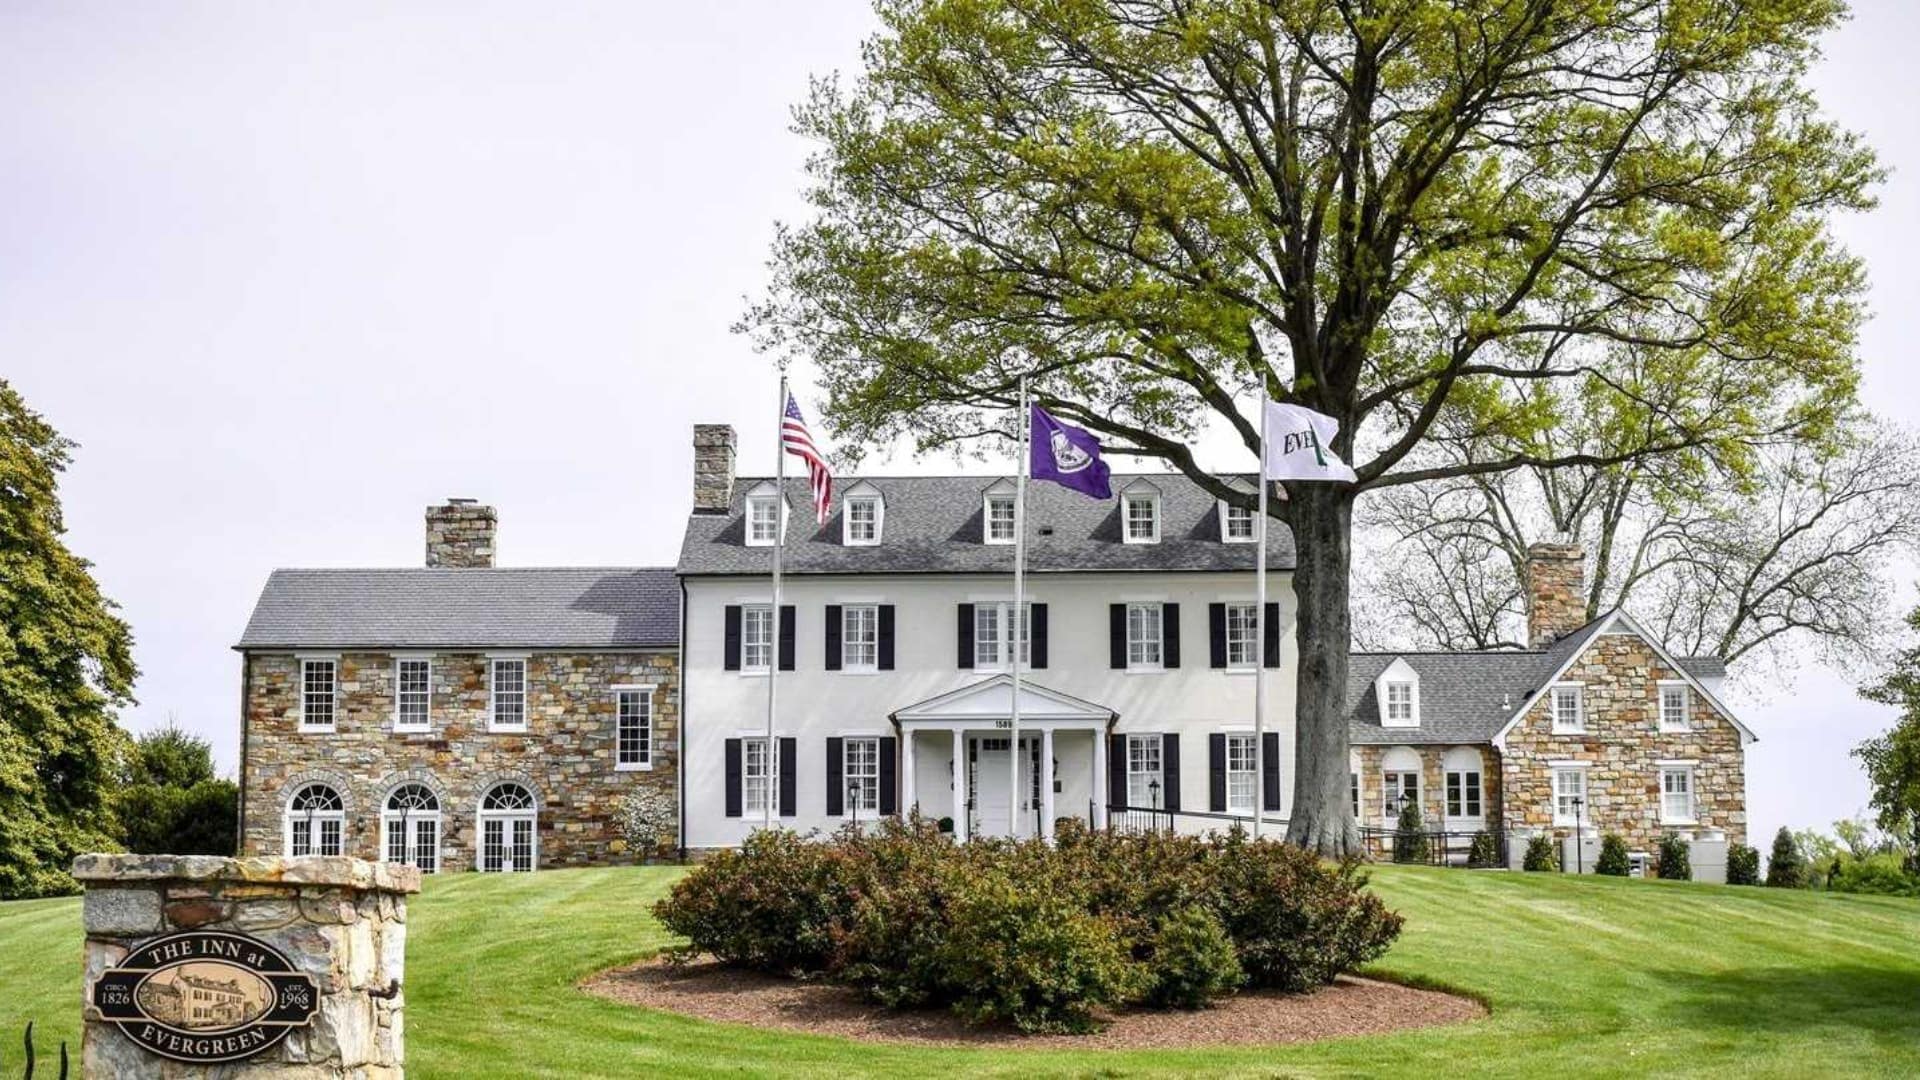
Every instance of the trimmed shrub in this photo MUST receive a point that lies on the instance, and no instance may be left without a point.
(1193, 960)
(1296, 920)
(1676, 860)
(1613, 860)
(1743, 865)
(1786, 869)
(1542, 854)
(1484, 852)
(1410, 837)
(778, 904)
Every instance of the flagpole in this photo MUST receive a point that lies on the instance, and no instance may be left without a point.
(1260, 631)
(1019, 619)
(773, 642)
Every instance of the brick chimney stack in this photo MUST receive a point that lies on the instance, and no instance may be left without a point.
(712, 468)
(460, 534)
(1556, 592)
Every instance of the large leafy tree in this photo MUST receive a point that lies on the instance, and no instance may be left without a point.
(173, 803)
(1892, 760)
(65, 663)
(1495, 215)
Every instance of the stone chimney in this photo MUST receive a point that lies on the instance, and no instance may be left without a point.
(712, 468)
(460, 534)
(1556, 592)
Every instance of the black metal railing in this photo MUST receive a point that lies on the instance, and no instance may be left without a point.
(1142, 819)
(1437, 847)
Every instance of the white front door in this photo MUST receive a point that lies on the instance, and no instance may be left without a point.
(989, 784)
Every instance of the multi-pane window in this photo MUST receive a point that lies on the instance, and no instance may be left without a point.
(756, 638)
(1000, 524)
(861, 770)
(1243, 650)
(316, 818)
(410, 825)
(1143, 771)
(1143, 519)
(1463, 793)
(508, 818)
(633, 727)
(758, 776)
(1143, 635)
(316, 694)
(1676, 794)
(863, 520)
(1400, 703)
(992, 637)
(1673, 707)
(1569, 795)
(1569, 715)
(509, 694)
(763, 519)
(1239, 523)
(860, 637)
(1243, 784)
(1399, 789)
(1353, 793)
(413, 692)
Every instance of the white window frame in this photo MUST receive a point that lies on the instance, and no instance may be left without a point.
(1145, 764)
(1396, 715)
(749, 615)
(1469, 795)
(1393, 785)
(332, 664)
(769, 793)
(847, 532)
(987, 505)
(1243, 782)
(759, 509)
(1577, 693)
(1250, 643)
(1353, 792)
(1683, 769)
(1685, 693)
(622, 694)
(865, 637)
(1127, 502)
(1561, 792)
(994, 652)
(860, 789)
(314, 822)
(1146, 636)
(411, 821)
(496, 698)
(400, 721)
(507, 819)
(1229, 515)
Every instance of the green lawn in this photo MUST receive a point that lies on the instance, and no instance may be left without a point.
(1584, 976)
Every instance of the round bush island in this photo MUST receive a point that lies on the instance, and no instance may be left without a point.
(1042, 938)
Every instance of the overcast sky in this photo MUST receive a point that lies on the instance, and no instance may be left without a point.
(288, 273)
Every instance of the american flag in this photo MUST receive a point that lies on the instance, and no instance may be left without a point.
(796, 440)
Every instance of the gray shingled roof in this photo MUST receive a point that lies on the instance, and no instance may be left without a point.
(933, 524)
(530, 608)
(1466, 697)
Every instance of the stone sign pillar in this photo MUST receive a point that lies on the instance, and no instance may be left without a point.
(199, 965)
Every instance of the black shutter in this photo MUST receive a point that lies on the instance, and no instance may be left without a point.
(889, 773)
(786, 637)
(1170, 635)
(733, 637)
(1037, 658)
(836, 784)
(833, 639)
(1217, 635)
(1270, 767)
(789, 750)
(1217, 773)
(1272, 658)
(1116, 770)
(1170, 771)
(886, 637)
(733, 772)
(1117, 636)
(966, 635)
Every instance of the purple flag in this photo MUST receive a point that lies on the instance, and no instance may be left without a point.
(1068, 456)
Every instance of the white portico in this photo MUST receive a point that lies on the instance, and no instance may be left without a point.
(955, 750)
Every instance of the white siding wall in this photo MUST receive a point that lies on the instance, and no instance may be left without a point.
(1194, 700)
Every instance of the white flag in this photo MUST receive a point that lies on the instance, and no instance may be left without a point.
(1298, 442)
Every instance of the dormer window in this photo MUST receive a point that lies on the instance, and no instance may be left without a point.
(998, 514)
(1398, 689)
(763, 516)
(861, 522)
(1399, 703)
(1236, 524)
(1140, 514)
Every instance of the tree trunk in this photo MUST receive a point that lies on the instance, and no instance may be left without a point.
(1322, 818)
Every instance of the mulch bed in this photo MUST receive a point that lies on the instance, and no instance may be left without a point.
(711, 991)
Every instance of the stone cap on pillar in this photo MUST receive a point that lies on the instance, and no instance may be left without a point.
(321, 870)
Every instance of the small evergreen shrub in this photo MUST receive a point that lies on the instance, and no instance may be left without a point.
(1786, 868)
(1484, 852)
(1743, 865)
(1676, 860)
(1296, 920)
(1542, 854)
(776, 905)
(1410, 837)
(1613, 860)
(1193, 960)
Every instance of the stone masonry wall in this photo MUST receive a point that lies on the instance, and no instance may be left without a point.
(1433, 789)
(565, 757)
(342, 921)
(1622, 745)
(1556, 592)
(461, 533)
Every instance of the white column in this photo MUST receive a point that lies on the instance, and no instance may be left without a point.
(1101, 796)
(1046, 782)
(907, 801)
(959, 785)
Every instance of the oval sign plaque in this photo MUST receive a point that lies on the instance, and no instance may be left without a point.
(206, 996)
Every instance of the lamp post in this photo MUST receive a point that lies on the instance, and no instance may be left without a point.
(1153, 796)
(1579, 836)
